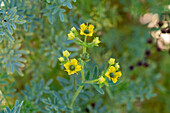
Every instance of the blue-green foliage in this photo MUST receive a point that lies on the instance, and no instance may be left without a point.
(7, 89)
(33, 47)
(15, 109)
(54, 9)
(33, 94)
(11, 57)
(9, 18)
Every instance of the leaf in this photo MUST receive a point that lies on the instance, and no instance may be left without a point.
(55, 10)
(13, 25)
(98, 89)
(10, 95)
(3, 82)
(1, 39)
(2, 33)
(45, 101)
(9, 35)
(7, 109)
(88, 75)
(69, 5)
(49, 82)
(95, 72)
(56, 94)
(51, 6)
(50, 18)
(9, 29)
(63, 80)
(61, 16)
(62, 1)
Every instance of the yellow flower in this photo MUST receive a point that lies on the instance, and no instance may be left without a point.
(71, 36)
(61, 59)
(101, 79)
(66, 53)
(112, 61)
(96, 41)
(73, 29)
(113, 74)
(117, 66)
(72, 66)
(2, 4)
(118, 74)
(86, 30)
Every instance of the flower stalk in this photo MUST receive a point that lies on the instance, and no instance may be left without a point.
(82, 74)
(73, 66)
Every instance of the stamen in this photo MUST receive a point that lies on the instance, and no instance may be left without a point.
(112, 75)
(86, 31)
(72, 67)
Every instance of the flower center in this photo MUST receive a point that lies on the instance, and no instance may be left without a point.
(72, 67)
(86, 31)
(112, 75)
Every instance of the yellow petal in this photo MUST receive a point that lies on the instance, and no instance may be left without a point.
(91, 27)
(78, 68)
(83, 26)
(107, 74)
(74, 62)
(118, 74)
(67, 65)
(114, 80)
(112, 69)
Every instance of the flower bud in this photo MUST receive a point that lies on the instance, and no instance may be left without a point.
(112, 61)
(73, 29)
(117, 66)
(61, 59)
(84, 56)
(96, 41)
(71, 36)
(66, 53)
(101, 79)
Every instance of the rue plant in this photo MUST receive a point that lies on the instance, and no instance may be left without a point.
(74, 66)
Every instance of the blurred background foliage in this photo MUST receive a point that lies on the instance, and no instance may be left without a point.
(33, 34)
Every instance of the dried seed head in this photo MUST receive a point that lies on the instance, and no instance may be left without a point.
(160, 23)
(147, 52)
(149, 41)
(164, 30)
(146, 64)
(139, 63)
(131, 67)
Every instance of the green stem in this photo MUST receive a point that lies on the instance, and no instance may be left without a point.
(91, 81)
(84, 46)
(75, 96)
(67, 59)
(79, 39)
(84, 51)
(82, 74)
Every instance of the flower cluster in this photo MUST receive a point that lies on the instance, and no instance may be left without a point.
(87, 30)
(112, 73)
(72, 66)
